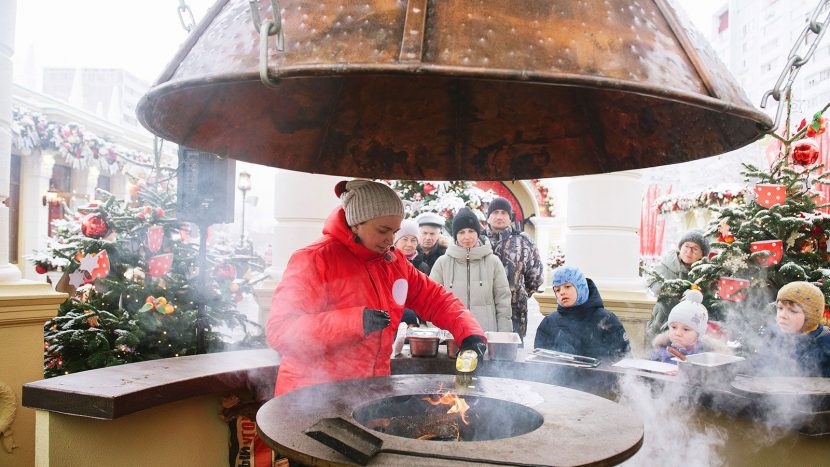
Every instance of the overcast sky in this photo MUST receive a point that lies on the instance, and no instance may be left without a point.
(139, 36)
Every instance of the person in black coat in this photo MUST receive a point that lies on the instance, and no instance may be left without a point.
(429, 239)
(581, 325)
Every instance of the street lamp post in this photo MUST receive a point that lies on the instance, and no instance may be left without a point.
(243, 184)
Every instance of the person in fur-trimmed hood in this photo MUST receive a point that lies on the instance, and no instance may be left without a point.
(475, 275)
(687, 331)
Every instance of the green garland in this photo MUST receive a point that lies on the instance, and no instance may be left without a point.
(79, 147)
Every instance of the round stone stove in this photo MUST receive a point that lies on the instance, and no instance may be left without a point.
(508, 422)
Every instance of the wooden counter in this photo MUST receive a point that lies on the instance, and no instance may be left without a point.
(109, 393)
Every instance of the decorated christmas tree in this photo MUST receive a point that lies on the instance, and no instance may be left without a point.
(444, 198)
(131, 270)
(776, 236)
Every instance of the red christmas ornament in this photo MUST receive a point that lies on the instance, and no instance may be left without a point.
(730, 288)
(774, 247)
(93, 226)
(805, 151)
(238, 297)
(726, 238)
(40, 269)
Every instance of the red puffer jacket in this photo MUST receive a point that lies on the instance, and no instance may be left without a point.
(316, 320)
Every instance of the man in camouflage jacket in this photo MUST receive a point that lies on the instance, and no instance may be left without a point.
(520, 257)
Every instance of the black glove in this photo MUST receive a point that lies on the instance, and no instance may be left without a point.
(374, 320)
(410, 318)
(475, 343)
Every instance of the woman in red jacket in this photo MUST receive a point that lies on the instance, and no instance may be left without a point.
(335, 314)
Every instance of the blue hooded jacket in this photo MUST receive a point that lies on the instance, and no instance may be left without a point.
(587, 329)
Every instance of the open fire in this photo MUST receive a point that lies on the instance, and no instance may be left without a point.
(457, 405)
(444, 416)
(429, 424)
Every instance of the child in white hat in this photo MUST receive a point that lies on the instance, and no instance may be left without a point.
(687, 331)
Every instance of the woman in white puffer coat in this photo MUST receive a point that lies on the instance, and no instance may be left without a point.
(471, 271)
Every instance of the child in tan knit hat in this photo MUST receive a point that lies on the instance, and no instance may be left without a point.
(800, 343)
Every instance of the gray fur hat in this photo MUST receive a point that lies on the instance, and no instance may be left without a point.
(695, 236)
(431, 219)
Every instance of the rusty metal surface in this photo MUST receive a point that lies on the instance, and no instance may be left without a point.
(469, 89)
(578, 429)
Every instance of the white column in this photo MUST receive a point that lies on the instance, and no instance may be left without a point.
(8, 272)
(92, 182)
(118, 186)
(603, 219)
(302, 202)
(83, 186)
(36, 171)
(545, 240)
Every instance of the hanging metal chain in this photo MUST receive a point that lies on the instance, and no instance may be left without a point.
(186, 16)
(797, 59)
(266, 29)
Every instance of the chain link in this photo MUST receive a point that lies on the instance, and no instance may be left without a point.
(796, 59)
(266, 29)
(186, 16)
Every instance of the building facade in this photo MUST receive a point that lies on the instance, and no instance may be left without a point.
(754, 39)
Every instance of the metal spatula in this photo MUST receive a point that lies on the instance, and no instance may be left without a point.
(361, 446)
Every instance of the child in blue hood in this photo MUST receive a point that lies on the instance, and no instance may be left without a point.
(581, 325)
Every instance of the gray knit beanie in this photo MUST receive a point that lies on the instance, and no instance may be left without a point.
(695, 236)
(364, 200)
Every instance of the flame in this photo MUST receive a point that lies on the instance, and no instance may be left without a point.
(457, 405)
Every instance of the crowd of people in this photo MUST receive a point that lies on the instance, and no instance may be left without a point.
(372, 270)
(795, 344)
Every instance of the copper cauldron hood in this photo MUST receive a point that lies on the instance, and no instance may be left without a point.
(461, 89)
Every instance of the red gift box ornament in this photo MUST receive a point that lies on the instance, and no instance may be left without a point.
(775, 248)
(770, 195)
(160, 265)
(155, 238)
(102, 267)
(732, 288)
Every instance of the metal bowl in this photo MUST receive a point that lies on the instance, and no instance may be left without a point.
(423, 346)
(503, 345)
(710, 368)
